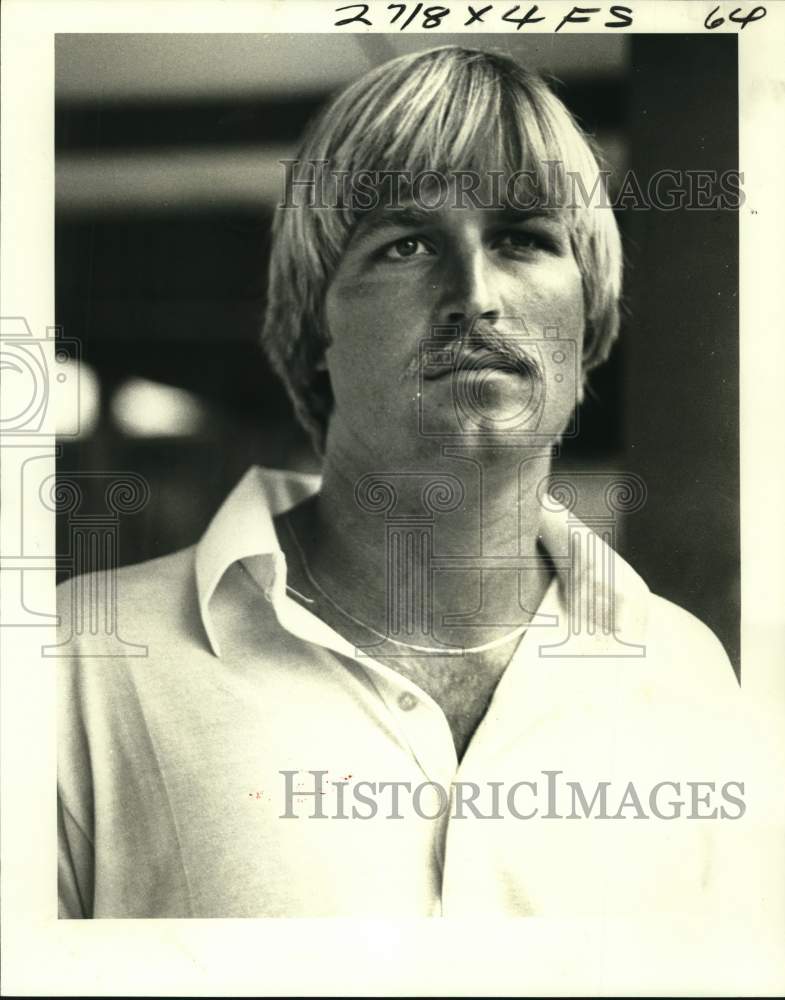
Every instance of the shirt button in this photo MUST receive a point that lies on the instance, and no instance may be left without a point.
(407, 701)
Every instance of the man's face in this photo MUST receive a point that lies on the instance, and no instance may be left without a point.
(499, 287)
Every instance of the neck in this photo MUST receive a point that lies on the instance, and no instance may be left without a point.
(371, 539)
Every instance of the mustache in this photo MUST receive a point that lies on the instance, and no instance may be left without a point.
(504, 347)
(485, 347)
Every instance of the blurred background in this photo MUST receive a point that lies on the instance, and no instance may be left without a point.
(167, 150)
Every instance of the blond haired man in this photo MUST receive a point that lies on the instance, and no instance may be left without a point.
(409, 686)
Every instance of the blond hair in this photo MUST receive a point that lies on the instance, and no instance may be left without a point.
(447, 109)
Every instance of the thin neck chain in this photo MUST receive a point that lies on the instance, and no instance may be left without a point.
(369, 628)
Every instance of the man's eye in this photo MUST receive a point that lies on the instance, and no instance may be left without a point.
(521, 240)
(409, 246)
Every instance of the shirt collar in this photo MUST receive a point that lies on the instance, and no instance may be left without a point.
(243, 528)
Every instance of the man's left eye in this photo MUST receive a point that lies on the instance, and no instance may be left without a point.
(403, 249)
(518, 240)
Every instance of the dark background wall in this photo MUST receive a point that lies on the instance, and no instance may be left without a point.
(681, 366)
(167, 175)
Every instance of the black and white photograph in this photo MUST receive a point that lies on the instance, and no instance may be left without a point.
(384, 525)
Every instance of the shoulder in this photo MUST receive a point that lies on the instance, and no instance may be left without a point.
(153, 597)
(159, 578)
(124, 640)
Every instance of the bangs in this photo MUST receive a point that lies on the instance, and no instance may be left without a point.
(439, 119)
(446, 112)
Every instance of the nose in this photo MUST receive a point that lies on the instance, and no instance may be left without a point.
(470, 289)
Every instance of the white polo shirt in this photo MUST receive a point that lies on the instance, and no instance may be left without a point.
(253, 763)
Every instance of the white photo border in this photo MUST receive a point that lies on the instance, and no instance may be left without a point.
(44, 956)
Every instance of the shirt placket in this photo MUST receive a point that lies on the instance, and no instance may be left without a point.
(502, 731)
(418, 721)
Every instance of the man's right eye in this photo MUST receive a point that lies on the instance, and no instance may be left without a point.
(405, 248)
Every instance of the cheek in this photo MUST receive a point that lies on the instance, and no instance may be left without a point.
(357, 332)
(555, 316)
(370, 316)
(558, 292)
(556, 299)
(362, 352)
(348, 318)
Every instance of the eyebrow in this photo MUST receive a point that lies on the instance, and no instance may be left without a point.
(410, 216)
(509, 214)
(407, 216)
